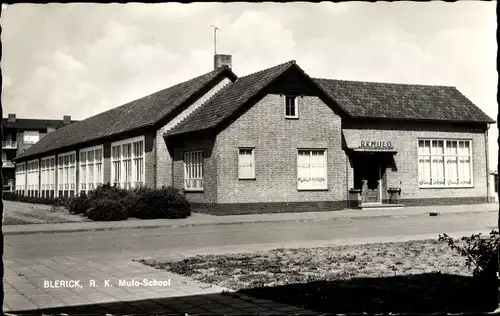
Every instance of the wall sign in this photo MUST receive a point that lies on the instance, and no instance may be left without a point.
(374, 144)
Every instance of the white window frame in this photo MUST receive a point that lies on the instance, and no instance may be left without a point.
(193, 170)
(445, 155)
(252, 175)
(310, 187)
(137, 179)
(84, 183)
(48, 175)
(33, 180)
(27, 134)
(66, 173)
(296, 104)
(21, 177)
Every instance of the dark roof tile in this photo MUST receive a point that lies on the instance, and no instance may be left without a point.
(402, 101)
(229, 100)
(133, 115)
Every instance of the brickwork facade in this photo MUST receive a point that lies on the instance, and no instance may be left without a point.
(163, 156)
(404, 174)
(276, 141)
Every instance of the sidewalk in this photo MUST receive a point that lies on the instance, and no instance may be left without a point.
(197, 219)
(100, 292)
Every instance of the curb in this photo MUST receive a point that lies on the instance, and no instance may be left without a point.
(85, 229)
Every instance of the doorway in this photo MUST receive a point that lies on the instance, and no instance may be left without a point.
(369, 168)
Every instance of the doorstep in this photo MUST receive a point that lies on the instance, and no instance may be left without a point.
(380, 206)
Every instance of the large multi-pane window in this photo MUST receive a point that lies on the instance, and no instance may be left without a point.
(48, 176)
(127, 163)
(444, 163)
(21, 178)
(193, 170)
(66, 169)
(90, 175)
(33, 178)
(311, 170)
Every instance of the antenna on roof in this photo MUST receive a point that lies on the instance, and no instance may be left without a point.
(215, 38)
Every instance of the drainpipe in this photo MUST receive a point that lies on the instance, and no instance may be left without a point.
(487, 165)
(347, 180)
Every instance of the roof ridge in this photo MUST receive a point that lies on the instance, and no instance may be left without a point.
(290, 62)
(382, 82)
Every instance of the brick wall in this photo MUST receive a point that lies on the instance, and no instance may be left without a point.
(209, 194)
(106, 163)
(163, 156)
(276, 141)
(150, 160)
(21, 145)
(404, 138)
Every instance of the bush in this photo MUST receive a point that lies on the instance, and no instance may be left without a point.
(106, 210)
(79, 204)
(166, 202)
(481, 255)
(107, 191)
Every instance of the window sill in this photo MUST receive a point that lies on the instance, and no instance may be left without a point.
(447, 187)
(247, 178)
(291, 117)
(321, 189)
(193, 190)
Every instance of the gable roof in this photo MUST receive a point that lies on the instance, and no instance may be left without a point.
(402, 101)
(32, 124)
(140, 113)
(356, 99)
(230, 99)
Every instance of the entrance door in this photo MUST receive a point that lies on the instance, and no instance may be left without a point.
(367, 177)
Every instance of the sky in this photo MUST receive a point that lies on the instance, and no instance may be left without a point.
(83, 59)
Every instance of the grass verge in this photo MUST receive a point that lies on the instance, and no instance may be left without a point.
(416, 276)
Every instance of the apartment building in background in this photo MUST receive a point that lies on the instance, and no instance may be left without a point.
(18, 134)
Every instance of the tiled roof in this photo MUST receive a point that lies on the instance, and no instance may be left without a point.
(402, 101)
(140, 113)
(229, 100)
(32, 124)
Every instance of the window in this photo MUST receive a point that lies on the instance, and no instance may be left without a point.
(32, 178)
(444, 163)
(193, 170)
(138, 163)
(311, 170)
(90, 168)
(246, 163)
(291, 107)
(48, 175)
(31, 137)
(21, 178)
(127, 163)
(67, 173)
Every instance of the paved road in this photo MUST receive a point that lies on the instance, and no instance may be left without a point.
(146, 242)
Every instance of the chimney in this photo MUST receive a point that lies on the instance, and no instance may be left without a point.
(221, 60)
(12, 118)
(66, 119)
(50, 129)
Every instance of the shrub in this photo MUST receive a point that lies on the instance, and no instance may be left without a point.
(107, 191)
(106, 210)
(166, 202)
(79, 204)
(481, 255)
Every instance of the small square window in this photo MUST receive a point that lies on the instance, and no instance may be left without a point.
(291, 107)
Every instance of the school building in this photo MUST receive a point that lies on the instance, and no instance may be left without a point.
(276, 140)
